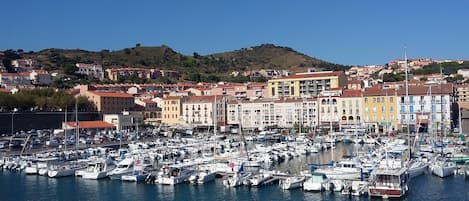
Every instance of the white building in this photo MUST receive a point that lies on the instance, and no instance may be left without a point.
(90, 70)
(281, 113)
(426, 107)
(201, 110)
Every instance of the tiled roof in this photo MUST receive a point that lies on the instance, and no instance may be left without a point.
(351, 93)
(90, 124)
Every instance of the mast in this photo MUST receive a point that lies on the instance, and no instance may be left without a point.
(407, 97)
(215, 119)
(459, 119)
(65, 129)
(443, 125)
(77, 132)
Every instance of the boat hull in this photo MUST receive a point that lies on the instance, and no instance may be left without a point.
(385, 192)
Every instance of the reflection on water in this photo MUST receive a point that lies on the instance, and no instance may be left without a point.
(16, 186)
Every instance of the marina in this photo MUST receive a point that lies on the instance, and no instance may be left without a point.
(301, 167)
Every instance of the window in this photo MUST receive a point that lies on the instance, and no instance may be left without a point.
(366, 100)
(382, 108)
(391, 99)
(391, 108)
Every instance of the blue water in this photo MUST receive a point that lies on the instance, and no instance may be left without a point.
(17, 186)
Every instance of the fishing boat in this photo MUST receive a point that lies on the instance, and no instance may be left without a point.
(389, 182)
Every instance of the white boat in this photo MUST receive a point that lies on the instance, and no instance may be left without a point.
(292, 183)
(416, 168)
(174, 174)
(63, 170)
(442, 167)
(202, 177)
(343, 170)
(139, 172)
(258, 179)
(317, 182)
(236, 179)
(388, 182)
(124, 167)
(98, 169)
(356, 188)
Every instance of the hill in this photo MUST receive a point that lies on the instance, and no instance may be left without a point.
(266, 56)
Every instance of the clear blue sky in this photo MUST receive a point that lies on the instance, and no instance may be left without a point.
(346, 32)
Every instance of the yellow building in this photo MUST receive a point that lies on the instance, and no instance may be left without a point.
(306, 84)
(171, 110)
(379, 109)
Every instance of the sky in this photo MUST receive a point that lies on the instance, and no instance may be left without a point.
(347, 32)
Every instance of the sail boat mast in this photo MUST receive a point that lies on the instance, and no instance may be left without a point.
(407, 97)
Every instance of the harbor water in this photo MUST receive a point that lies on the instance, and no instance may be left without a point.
(16, 186)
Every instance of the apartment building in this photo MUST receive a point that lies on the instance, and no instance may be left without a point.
(171, 110)
(204, 111)
(111, 102)
(379, 109)
(306, 84)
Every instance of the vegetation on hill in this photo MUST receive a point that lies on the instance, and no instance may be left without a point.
(195, 67)
(447, 68)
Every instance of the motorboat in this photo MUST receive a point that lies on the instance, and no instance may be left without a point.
(37, 164)
(62, 170)
(317, 182)
(258, 179)
(174, 174)
(292, 182)
(98, 169)
(124, 167)
(237, 179)
(347, 169)
(202, 177)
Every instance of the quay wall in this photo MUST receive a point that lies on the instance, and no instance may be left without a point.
(24, 121)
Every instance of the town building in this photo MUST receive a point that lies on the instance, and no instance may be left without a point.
(379, 109)
(171, 110)
(204, 111)
(16, 80)
(350, 106)
(306, 84)
(111, 102)
(93, 70)
(298, 113)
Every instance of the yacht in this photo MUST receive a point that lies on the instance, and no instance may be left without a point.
(174, 174)
(442, 167)
(98, 169)
(388, 182)
(124, 167)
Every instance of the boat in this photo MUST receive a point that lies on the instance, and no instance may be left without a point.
(416, 168)
(356, 188)
(348, 169)
(139, 173)
(292, 182)
(124, 167)
(258, 179)
(62, 170)
(388, 182)
(442, 167)
(202, 177)
(37, 164)
(174, 174)
(98, 169)
(237, 179)
(317, 182)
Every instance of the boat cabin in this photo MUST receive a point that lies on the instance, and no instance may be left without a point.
(389, 183)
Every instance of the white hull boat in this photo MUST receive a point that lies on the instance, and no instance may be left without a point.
(292, 183)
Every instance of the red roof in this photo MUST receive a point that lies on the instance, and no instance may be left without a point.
(4, 90)
(351, 93)
(91, 124)
(311, 75)
(112, 94)
(148, 101)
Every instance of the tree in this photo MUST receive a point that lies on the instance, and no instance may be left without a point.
(390, 77)
(70, 69)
